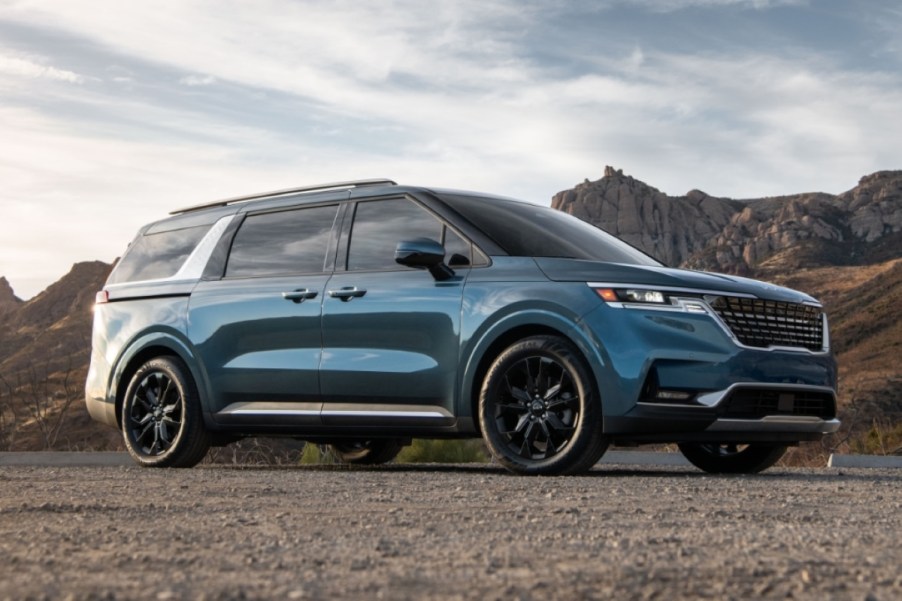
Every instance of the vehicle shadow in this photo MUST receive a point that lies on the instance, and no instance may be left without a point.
(602, 471)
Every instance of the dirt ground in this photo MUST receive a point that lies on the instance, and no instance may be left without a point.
(448, 532)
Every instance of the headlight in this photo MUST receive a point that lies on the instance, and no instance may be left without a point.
(644, 296)
(632, 295)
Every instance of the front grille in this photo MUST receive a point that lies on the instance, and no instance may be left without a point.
(764, 323)
(751, 403)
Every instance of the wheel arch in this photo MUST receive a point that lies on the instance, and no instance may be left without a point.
(501, 335)
(140, 352)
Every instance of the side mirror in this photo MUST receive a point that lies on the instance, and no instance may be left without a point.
(423, 253)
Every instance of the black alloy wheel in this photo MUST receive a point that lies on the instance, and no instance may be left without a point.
(367, 452)
(539, 411)
(162, 423)
(731, 457)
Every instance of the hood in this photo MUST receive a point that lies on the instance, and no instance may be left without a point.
(574, 270)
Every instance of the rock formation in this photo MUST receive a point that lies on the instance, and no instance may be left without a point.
(745, 236)
(668, 228)
(8, 300)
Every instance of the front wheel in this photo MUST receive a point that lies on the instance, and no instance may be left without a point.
(367, 452)
(162, 421)
(731, 458)
(539, 410)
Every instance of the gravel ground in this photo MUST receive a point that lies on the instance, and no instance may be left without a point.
(448, 532)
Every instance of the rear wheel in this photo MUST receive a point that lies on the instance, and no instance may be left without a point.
(731, 458)
(367, 452)
(539, 410)
(162, 421)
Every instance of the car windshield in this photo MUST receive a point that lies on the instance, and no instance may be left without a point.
(527, 230)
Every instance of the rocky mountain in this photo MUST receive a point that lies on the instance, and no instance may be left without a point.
(861, 226)
(45, 345)
(670, 228)
(8, 300)
(53, 329)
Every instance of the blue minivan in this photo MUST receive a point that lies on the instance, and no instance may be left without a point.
(364, 314)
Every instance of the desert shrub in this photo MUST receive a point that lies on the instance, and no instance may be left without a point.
(882, 438)
(420, 451)
(318, 454)
(256, 451)
(444, 451)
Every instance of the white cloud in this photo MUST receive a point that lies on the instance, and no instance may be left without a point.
(197, 80)
(26, 67)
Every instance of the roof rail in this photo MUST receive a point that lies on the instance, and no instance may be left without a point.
(358, 183)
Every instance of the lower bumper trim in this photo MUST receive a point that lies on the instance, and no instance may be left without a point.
(776, 423)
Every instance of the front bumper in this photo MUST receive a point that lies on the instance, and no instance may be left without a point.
(716, 417)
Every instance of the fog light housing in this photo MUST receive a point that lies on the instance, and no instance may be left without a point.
(673, 395)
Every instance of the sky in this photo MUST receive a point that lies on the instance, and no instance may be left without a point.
(114, 113)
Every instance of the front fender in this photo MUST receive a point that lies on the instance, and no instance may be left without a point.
(481, 346)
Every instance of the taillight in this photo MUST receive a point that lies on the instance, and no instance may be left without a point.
(102, 297)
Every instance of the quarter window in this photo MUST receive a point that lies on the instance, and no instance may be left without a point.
(457, 250)
(157, 256)
(282, 243)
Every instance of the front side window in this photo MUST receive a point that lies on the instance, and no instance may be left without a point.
(157, 256)
(282, 243)
(378, 227)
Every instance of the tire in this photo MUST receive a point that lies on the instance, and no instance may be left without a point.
(367, 452)
(539, 410)
(731, 458)
(162, 421)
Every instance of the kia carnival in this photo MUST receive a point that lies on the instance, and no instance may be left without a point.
(364, 314)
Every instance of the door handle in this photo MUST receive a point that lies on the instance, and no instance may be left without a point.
(299, 295)
(347, 293)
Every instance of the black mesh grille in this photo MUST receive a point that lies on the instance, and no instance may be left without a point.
(753, 403)
(764, 323)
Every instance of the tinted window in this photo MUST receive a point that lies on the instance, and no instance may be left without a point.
(282, 243)
(157, 256)
(379, 226)
(457, 250)
(527, 230)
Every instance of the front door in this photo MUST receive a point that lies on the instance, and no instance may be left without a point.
(391, 334)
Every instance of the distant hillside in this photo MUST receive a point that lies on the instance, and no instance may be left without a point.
(55, 326)
(45, 346)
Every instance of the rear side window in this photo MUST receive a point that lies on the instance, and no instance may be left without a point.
(157, 256)
(282, 243)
